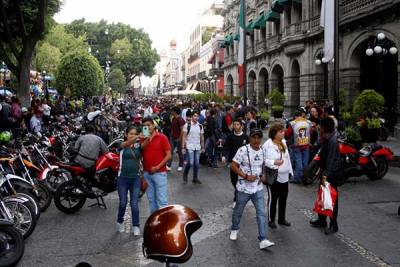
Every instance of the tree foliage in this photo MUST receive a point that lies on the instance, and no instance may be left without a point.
(117, 80)
(22, 25)
(368, 103)
(104, 38)
(47, 58)
(80, 74)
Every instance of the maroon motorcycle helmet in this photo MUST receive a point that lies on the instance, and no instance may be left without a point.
(167, 232)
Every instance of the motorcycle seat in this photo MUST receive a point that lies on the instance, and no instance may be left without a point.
(367, 150)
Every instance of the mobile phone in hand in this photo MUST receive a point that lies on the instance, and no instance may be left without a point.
(146, 132)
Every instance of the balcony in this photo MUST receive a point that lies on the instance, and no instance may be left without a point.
(274, 40)
(356, 9)
(293, 29)
(261, 46)
(351, 6)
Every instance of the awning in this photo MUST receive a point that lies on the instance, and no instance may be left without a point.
(236, 37)
(297, 1)
(228, 39)
(273, 16)
(250, 27)
(260, 22)
(279, 5)
(189, 85)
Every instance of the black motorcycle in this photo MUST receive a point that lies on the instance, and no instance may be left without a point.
(11, 244)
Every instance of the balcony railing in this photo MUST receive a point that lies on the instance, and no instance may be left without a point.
(261, 46)
(352, 6)
(293, 29)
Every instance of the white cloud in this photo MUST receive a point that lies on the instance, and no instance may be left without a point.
(161, 19)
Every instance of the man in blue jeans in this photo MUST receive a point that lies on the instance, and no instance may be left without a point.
(248, 164)
(299, 132)
(193, 144)
(156, 154)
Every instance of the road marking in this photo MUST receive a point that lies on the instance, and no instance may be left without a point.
(365, 253)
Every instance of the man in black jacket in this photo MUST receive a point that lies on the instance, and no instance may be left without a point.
(330, 164)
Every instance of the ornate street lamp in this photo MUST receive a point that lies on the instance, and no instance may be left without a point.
(380, 47)
(320, 59)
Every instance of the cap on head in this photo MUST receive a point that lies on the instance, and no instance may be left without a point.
(256, 132)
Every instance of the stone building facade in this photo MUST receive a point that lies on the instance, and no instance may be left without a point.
(284, 39)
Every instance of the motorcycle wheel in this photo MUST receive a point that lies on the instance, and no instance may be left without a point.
(21, 217)
(67, 199)
(11, 245)
(44, 196)
(31, 204)
(311, 173)
(382, 167)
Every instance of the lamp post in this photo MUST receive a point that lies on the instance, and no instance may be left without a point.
(320, 59)
(3, 70)
(45, 85)
(380, 46)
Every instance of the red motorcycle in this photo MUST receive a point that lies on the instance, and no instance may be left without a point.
(372, 161)
(95, 183)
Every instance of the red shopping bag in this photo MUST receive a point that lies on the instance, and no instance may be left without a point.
(319, 203)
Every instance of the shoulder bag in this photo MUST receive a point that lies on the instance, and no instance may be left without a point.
(270, 175)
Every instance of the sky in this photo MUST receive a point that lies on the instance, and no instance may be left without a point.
(163, 20)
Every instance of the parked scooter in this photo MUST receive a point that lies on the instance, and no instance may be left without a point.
(372, 161)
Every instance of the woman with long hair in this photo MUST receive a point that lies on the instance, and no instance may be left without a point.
(277, 157)
(129, 179)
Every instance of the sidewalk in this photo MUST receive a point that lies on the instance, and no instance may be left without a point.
(394, 144)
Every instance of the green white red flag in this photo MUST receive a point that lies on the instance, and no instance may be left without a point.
(242, 43)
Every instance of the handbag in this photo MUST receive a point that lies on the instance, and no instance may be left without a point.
(326, 199)
(270, 175)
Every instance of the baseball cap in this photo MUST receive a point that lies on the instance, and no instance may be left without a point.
(255, 132)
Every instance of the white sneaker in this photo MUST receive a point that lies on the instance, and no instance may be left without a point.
(120, 227)
(136, 230)
(234, 234)
(266, 243)
(168, 169)
(180, 169)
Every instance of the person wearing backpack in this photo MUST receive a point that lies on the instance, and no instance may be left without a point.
(192, 146)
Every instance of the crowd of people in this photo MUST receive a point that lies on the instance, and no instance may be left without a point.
(212, 134)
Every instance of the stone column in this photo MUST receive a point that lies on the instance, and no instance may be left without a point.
(292, 92)
(350, 81)
(397, 126)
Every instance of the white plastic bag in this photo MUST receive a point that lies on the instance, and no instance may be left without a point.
(326, 197)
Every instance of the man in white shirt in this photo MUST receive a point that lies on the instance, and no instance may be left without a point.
(148, 112)
(192, 145)
(248, 164)
(36, 122)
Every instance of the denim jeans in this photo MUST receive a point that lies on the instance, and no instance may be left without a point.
(132, 185)
(193, 158)
(176, 143)
(157, 191)
(301, 157)
(210, 150)
(258, 202)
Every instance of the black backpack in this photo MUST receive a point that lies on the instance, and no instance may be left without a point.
(190, 125)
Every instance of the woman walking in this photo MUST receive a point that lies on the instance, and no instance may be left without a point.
(277, 157)
(129, 179)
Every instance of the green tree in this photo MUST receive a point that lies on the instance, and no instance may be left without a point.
(104, 39)
(368, 103)
(117, 80)
(47, 58)
(80, 74)
(64, 41)
(22, 25)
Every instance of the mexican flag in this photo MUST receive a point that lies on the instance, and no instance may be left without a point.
(242, 43)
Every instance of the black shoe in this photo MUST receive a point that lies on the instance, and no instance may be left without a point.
(197, 181)
(272, 225)
(284, 223)
(294, 182)
(318, 223)
(331, 230)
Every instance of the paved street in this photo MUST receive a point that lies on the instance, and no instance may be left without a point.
(368, 235)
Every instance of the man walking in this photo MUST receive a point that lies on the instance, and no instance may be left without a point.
(156, 154)
(332, 172)
(193, 144)
(176, 136)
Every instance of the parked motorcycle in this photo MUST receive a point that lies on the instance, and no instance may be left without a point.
(372, 161)
(71, 195)
(11, 244)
